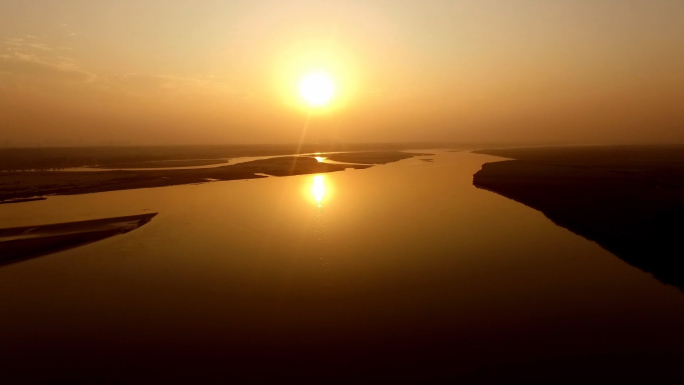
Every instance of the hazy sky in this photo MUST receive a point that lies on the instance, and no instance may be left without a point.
(219, 71)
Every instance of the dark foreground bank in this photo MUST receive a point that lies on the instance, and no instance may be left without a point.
(630, 200)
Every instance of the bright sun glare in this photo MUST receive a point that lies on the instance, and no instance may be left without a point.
(317, 89)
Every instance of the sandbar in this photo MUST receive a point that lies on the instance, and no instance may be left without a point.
(18, 185)
(19, 159)
(372, 157)
(163, 164)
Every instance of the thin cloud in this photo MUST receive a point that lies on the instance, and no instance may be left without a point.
(14, 41)
(29, 65)
(40, 46)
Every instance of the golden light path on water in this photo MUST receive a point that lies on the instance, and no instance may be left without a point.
(318, 188)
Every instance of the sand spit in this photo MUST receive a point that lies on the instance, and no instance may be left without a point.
(20, 200)
(22, 243)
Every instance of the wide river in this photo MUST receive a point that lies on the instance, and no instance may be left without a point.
(403, 271)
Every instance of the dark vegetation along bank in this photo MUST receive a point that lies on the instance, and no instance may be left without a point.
(630, 200)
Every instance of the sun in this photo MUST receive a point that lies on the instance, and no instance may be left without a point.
(317, 89)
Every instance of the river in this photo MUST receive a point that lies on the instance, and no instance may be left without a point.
(403, 271)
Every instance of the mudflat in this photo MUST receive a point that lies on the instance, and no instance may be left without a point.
(21, 243)
(629, 199)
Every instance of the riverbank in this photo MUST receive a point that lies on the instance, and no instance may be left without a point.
(630, 200)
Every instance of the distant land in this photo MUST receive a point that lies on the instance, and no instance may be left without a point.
(628, 199)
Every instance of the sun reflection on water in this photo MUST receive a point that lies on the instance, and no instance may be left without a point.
(319, 188)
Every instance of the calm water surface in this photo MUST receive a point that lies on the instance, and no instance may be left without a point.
(402, 271)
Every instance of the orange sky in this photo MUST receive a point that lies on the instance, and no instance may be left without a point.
(80, 72)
